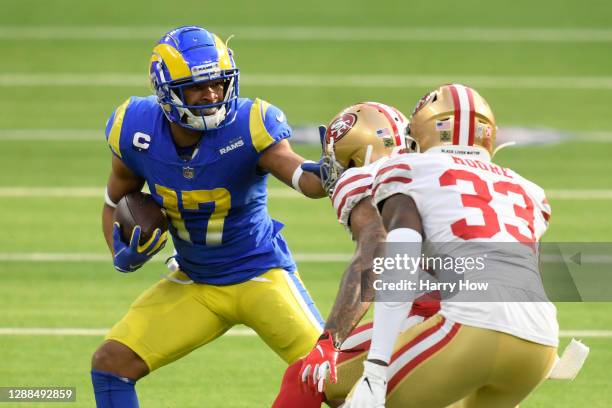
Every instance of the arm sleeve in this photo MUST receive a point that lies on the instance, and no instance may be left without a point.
(388, 314)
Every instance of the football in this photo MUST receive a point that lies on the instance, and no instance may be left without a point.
(139, 208)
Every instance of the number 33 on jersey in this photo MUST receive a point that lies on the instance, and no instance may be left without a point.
(470, 198)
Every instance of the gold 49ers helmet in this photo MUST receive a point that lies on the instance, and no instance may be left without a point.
(360, 135)
(453, 115)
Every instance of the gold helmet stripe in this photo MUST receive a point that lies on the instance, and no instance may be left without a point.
(463, 100)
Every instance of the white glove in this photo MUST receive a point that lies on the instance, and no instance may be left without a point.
(370, 390)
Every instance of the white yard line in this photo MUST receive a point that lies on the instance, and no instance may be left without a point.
(53, 134)
(312, 257)
(41, 192)
(585, 333)
(103, 257)
(238, 331)
(579, 194)
(76, 331)
(96, 135)
(330, 81)
(60, 257)
(593, 136)
(274, 192)
(322, 33)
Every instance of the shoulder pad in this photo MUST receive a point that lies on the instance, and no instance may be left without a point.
(392, 177)
(353, 186)
(268, 125)
(114, 127)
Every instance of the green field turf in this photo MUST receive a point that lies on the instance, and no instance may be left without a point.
(239, 371)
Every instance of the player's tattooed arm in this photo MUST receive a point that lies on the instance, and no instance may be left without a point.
(351, 303)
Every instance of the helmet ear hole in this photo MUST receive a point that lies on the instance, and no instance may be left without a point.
(351, 163)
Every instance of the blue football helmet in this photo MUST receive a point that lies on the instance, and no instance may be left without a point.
(186, 56)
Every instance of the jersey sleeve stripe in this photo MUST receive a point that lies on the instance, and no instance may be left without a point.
(346, 182)
(351, 193)
(114, 136)
(402, 166)
(398, 179)
(259, 134)
(388, 180)
(546, 211)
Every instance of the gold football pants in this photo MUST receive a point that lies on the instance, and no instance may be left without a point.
(171, 319)
(440, 363)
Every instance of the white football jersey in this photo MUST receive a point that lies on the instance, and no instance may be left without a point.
(354, 185)
(475, 206)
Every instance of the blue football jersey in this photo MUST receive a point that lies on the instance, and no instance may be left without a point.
(216, 201)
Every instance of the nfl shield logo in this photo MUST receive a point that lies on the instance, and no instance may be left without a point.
(188, 172)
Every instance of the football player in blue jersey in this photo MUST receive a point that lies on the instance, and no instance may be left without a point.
(204, 154)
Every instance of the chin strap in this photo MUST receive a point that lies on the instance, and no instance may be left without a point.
(205, 122)
(502, 146)
(368, 155)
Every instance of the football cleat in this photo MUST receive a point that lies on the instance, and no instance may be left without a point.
(453, 115)
(187, 56)
(360, 135)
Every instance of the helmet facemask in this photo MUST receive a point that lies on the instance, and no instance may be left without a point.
(331, 169)
(188, 56)
(194, 116)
